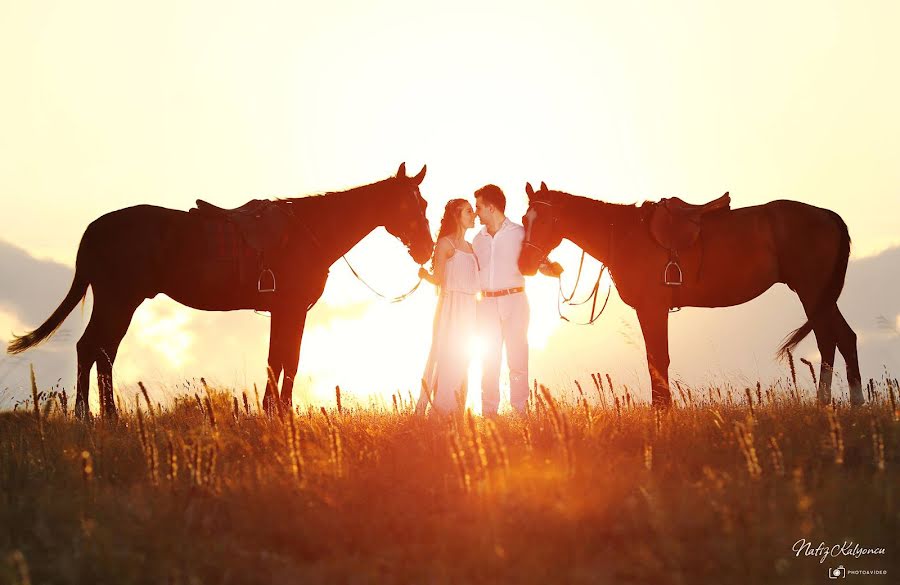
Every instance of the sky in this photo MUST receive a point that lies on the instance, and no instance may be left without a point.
(110, 104)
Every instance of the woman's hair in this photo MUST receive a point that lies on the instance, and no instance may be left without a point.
(450, 221)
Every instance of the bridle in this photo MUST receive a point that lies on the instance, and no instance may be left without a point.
(562, 298)
(406, 242)
(553, 219)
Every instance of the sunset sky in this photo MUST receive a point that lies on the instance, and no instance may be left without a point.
(109, 104)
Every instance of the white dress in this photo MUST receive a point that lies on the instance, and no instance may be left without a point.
(446, 370)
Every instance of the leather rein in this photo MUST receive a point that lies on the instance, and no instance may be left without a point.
(562, 298)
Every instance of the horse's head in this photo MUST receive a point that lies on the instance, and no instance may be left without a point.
(542, 232)
(406, 215)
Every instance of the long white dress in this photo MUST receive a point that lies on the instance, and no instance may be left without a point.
(446, 370)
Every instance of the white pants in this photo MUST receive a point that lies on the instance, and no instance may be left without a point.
(504, 321)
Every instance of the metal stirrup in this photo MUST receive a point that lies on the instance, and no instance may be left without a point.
(679, 276)
(259, 283)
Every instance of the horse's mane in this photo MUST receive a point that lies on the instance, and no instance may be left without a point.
(318, 197)
(601, 211)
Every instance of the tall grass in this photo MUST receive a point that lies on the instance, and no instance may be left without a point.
(582, 489)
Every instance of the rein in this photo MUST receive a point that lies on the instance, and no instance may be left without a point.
(562, 298)
(395, 299)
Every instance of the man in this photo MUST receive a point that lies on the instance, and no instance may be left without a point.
(502, 314)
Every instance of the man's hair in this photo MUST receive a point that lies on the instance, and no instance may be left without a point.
(494, 195)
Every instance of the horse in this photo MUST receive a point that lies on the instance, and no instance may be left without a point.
(736, 256)
(136, 253)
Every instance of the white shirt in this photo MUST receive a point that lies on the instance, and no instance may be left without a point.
(498, 256)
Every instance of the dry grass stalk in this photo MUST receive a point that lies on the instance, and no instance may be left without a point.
(337, 398)
(87, 467)
(256, 396)
(211, 414)
(171, 461)
(336, 455)
(750, 401)
(648, 456)
(148, 448)
(744, 436)
(64, 403)
(877, 446)
(895, 414)
(526, 438)
(812, 371)
(777, 456)
(35, 398)
(498, 445)
(476, 448)
(147, 399)
(17, 560)
(560, 428)
(297, 467)
(246, 402)
(585, 406)
(836, 436)
(681, 392)
(790, 357)
(459, 460)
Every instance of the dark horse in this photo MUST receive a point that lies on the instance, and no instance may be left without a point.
(136, 253)
(740, 254)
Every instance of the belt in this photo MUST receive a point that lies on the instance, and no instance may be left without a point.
(488, 294)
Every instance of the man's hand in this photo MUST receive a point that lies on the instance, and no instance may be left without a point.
(423, 273)
(552, 269)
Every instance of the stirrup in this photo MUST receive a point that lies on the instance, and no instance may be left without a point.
(259, 283)
(679, 280)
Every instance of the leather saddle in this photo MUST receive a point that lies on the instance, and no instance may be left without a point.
(261, 223)
(675, 224)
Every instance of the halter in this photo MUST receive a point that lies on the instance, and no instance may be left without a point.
(527, 241)
(398, 298)
(562, 298)
(416, 196)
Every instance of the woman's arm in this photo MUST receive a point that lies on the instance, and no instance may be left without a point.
(442, 252)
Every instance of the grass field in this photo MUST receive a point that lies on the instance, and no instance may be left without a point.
(588, 488)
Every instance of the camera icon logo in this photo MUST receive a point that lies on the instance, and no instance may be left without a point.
(839, 573)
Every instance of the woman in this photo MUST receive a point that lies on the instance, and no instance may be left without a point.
(455, 272)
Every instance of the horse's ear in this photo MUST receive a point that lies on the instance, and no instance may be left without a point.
(529, 190)
(418, 178)
(544, 186)
(401, 172)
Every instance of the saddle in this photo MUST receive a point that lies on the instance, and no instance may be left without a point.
(261, 223)
(675, 225)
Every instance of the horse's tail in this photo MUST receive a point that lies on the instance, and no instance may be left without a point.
(829, 296)
(76, 293)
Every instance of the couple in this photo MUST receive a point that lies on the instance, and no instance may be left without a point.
(490, 265)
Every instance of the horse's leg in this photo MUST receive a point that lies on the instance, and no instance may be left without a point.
(292, 335)
(273, 373)
(827, 344)
(115, 319)
(86, 350)
(846, 343)
(655, 326)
